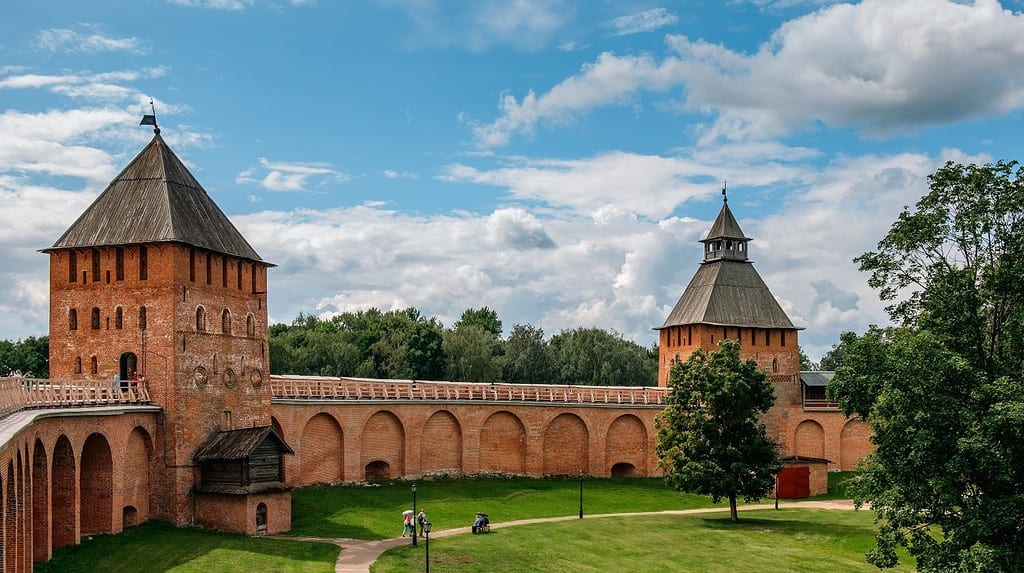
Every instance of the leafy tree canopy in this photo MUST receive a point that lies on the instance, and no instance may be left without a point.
(943, 392)
(710, 437)
(28, 355)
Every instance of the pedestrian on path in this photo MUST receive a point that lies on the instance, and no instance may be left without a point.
(407, 526)
(421, 519)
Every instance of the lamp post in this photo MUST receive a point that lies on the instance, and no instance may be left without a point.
(426, 536)
(414, 515)
(581, 494)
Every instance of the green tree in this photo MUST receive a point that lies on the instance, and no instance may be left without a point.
(528, 358)
(944, 393)
(597, 357)
(711, 440)
(28, 355)
(473, 353)
(805, 362)
(485, 318)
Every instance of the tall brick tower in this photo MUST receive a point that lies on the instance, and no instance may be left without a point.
(153, 280)
(727, 299)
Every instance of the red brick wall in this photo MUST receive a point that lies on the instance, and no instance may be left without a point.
(809, 440)
(96, 486)
(319, 452)
(40, 503)
(503, 444)
(854, 444)
(383, 440)
(627, 443)
(566, 446)
(441, 429)
(238, 512)
(775, 350)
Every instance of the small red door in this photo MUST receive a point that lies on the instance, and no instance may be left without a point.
(794, 483)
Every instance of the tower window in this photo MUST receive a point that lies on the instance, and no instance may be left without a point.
(254, 278)
(689, 335)
(72, 319)
(95, 265)
(250, 326)
(119, 264)
(95, 318)
(753, 337)
(142, 318)
(200, 319)
(225, 322)
(118, 318)
(238, 274)
(209, 268)
(143, 263)
(78, 365)
(775, 364)
(767, 338)
(94, 367)
(782, 337)
(73, 267)
(192, 265)
(223, 271)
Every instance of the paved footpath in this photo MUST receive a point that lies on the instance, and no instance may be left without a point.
(358, 554)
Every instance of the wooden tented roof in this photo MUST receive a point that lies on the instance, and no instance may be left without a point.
(156, 199)
(728, 293)
(238, 444)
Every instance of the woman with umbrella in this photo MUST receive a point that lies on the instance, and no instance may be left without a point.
(407, 524)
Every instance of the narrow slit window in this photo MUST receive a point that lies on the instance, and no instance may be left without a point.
(95, 265)
(143, 263)
(119, 264)
(223, 272)
(72, 319)
(95, 318)
(73, 267)
(142, 318)
(209, 268)
(118, 318)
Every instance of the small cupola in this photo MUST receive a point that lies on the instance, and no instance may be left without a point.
(725, 240)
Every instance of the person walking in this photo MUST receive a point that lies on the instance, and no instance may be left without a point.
(407, 526)
(421, 519)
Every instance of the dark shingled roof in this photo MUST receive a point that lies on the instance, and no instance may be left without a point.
(155, 200)
(725, 226)
(818, 378)
(728, 293)
(237, 444)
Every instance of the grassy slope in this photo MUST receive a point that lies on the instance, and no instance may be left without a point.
(375, 512)
(764, 541)
(158, 547)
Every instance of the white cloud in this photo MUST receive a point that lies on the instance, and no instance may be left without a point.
(878, 65)
(651, 186)
(215, 4)
(291, 176)
(66, 40)
(646, 21)
(525, 24)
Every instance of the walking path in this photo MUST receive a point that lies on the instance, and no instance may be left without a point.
(358, 554)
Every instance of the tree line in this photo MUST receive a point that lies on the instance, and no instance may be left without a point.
(30, 355)
(405, 344)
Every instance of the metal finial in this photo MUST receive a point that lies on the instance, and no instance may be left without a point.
(150, 119)
(725, 185)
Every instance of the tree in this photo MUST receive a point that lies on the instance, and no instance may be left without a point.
(528, 358)
(598, 357)
(473, 354)
(805, 361)
(944, 393)
(485, 318)
(710, 437)
(28, 355)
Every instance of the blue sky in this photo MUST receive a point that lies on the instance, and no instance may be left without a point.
(554, 160)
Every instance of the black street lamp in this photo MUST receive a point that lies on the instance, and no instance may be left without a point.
(581, 494)
(414, 515)
(426, 536)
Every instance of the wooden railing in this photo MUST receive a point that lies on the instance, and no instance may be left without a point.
(326, 388)
(20, 393)
(819, 404)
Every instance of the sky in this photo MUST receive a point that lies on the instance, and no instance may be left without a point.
(554, 160)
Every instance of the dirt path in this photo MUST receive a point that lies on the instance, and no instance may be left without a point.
(358, 554)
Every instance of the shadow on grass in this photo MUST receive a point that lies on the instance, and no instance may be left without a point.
(158, 547)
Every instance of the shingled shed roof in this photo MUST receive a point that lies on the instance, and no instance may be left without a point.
(238, 444)
(818, 378)
(728, 293)
(154, 200)
(725, 226)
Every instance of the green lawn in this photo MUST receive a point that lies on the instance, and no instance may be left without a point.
(765, 541)
(375, 512)
(155, 547)
(770, 541)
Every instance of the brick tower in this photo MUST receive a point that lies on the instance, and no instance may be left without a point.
(154, 281)
(727, 299)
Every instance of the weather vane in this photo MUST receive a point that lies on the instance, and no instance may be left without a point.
(725, 185)
(150, 119)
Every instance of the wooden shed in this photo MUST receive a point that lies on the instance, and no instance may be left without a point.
(802, 477)
(241, 486)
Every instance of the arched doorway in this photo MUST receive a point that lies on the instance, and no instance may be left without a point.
(129, 365)
(261, 519)
(129, 516)
(62, 520)
(377, 471)
(623, 470)
(96, 487)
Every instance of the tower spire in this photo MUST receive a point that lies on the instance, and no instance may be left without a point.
(725, 185)
(150, 119)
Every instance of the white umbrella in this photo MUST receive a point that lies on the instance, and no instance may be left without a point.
(408, 512)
